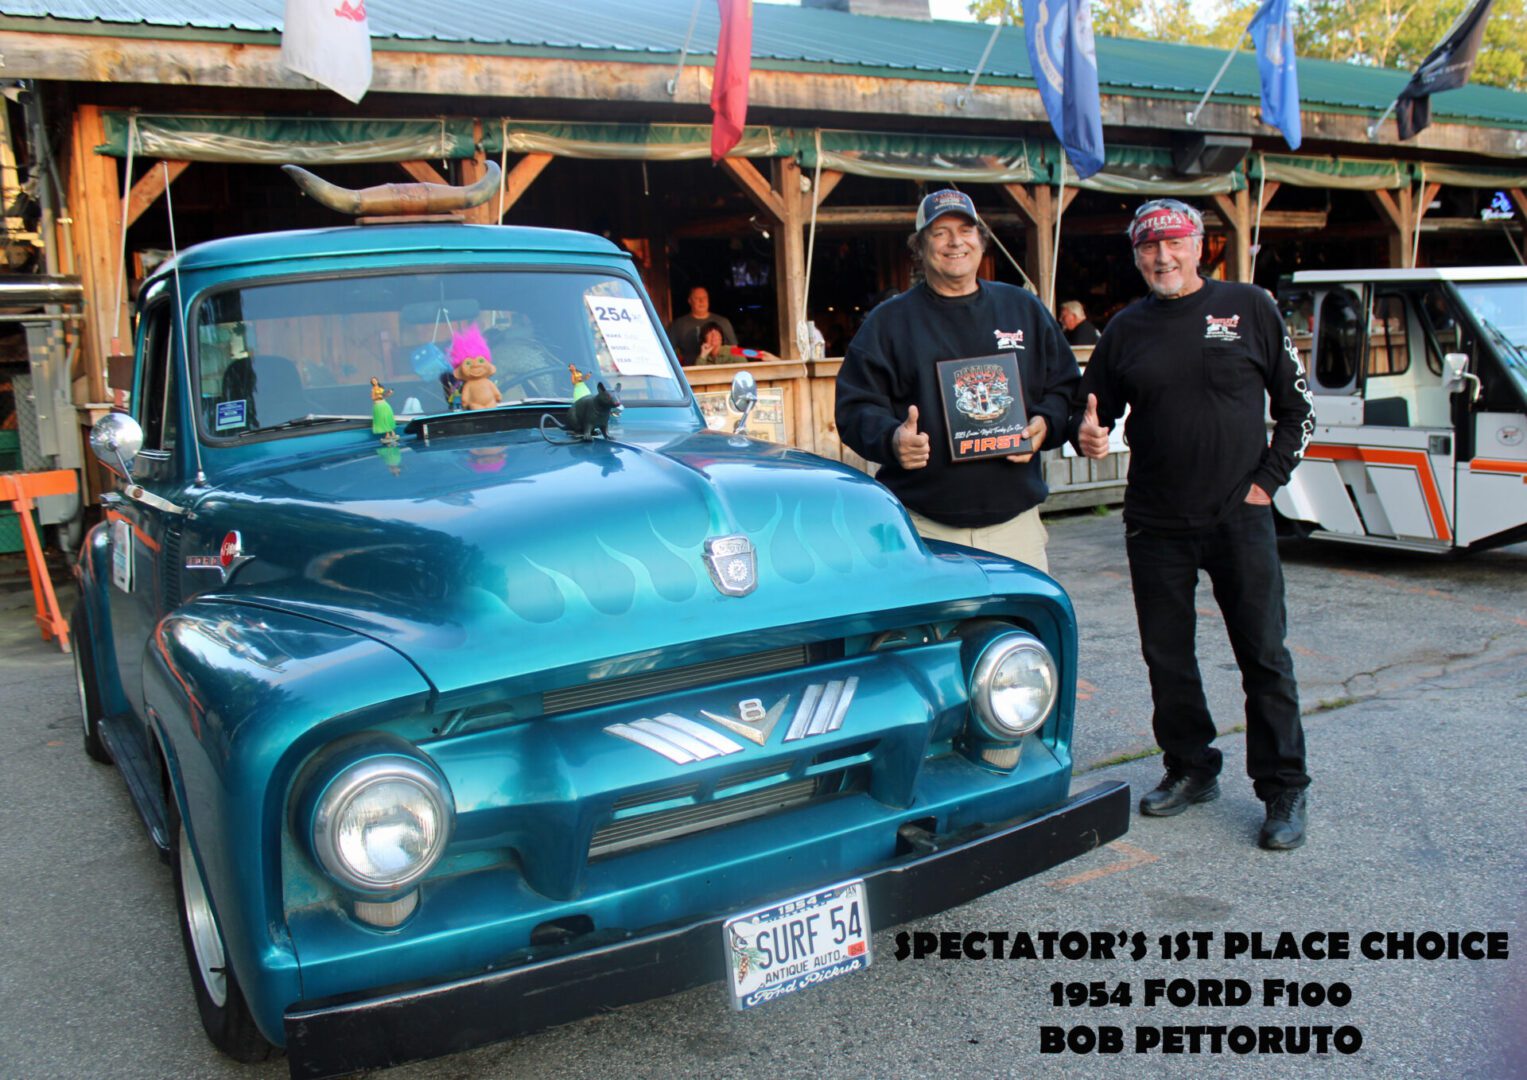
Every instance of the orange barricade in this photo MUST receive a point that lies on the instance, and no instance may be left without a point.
(19, 489)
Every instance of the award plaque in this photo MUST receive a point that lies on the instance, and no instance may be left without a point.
(983, 407)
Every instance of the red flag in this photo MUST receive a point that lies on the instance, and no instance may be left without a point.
(734, 61)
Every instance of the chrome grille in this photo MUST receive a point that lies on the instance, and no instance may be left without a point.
(630, 687)
(671, 824)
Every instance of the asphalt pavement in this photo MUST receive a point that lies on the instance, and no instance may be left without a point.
(1414, 686)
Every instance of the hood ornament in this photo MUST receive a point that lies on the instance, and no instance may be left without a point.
(229, 558)
(732, 564)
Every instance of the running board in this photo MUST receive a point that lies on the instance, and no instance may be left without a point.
(1433, 547)
(141, 776)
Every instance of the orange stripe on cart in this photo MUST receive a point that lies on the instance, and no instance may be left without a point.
(1414, 459)
(1493, 465)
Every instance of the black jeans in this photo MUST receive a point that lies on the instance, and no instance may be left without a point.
(1241, 558)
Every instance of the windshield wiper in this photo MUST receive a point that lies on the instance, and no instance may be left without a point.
(1513, 349)
(310, 420)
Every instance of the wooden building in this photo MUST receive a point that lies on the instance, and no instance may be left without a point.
(121, 113)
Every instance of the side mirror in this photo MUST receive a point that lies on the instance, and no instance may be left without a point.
(115, 440)
(743, 397)
(1455, 374)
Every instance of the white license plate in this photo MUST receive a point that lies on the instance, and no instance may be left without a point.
(800, 942)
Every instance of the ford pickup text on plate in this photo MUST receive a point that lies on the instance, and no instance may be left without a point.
(456, 724)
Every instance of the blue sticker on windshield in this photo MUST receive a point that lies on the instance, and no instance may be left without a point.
(231, 414)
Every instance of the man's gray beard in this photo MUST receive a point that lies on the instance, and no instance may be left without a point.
(1162, 294)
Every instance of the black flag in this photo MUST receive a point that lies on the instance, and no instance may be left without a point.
(1446, 67)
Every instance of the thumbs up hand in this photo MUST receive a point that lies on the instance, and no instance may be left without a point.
(911, 445)
(1092, 438)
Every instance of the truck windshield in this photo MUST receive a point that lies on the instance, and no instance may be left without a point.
(1501, 308)
(295, 354)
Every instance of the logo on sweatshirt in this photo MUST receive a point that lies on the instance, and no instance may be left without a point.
(1221, 329)
(1009, 339)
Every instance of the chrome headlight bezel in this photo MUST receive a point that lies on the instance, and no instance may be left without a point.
(339, 793)
(995, 721)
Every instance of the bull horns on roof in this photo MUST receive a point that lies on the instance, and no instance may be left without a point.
(385, 199)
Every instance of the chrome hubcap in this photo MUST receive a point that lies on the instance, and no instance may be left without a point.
(206, 941)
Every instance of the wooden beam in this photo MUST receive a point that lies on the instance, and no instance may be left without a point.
(1036, 203)
(423, 172)
(1519, 197)
(829, 180)
(68, 57)
(755, 187)
(1236, 210)
(150, 186)
(1268, 190)
(520, 178)
(1023, 200)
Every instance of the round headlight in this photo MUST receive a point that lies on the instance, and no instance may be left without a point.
(1014, 686)
(381, 823)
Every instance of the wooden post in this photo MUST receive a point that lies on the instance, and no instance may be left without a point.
(474, 169)
(1236, 210)
(1427, 195)
(95, 200)
(1038, 205)
(1398, 213)
(790, 256)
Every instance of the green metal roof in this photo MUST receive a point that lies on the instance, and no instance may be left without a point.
(784, 38)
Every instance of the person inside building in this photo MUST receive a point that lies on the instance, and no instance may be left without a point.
(715, 350)
(890, 408)
(1195, 361)
(684, 332)
(1073, 319)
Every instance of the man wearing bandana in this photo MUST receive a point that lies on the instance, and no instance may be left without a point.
(1196, 362)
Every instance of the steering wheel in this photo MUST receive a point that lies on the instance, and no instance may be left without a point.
(519, 379)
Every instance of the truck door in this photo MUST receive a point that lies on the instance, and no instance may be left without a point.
(1486, 321)
(1379, 468)
(144, 517)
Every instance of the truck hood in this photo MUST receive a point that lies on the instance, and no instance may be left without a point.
(486, 558)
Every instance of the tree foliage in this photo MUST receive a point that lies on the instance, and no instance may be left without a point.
(1384, 33)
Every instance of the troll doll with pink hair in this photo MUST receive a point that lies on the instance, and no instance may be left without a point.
(474, 369)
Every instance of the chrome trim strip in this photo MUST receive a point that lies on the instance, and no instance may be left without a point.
(841, 711)
(803, 715)
(824, 709)
(673, 752)
(683, 727)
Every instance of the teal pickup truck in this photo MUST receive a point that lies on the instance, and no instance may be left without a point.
(456, 723)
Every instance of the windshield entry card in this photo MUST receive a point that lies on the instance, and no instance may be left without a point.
(628, 334)
(231, 414)
(800, 942)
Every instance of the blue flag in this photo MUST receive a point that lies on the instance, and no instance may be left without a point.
(1273, 31)
(1059, 34)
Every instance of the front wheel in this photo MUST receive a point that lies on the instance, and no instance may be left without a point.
(225, 1014)
(86, 686)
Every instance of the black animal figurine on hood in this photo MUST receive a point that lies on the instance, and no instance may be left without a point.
(591, 413)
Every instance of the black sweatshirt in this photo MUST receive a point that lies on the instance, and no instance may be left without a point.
(1193, 372)
(890, 366)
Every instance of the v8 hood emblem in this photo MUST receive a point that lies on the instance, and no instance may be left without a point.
(753, 720)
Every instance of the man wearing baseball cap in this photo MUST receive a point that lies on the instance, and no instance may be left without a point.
(1196, 362)
(890, 409)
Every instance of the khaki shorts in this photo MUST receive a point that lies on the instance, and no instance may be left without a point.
(1022, 538)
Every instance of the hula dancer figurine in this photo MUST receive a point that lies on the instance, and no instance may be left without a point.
(580, 382)
(382, 421)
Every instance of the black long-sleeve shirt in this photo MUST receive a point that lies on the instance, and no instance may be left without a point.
(1193, 372)
(889, 366)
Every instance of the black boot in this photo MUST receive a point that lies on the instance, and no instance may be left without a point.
(1176, 792)
(1284, 827)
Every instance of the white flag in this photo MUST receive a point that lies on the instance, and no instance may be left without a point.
(329, 41)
